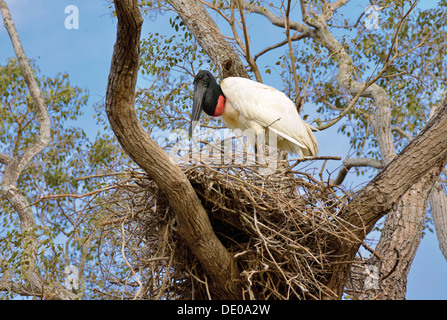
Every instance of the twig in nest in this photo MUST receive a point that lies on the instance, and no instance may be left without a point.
(281, 240)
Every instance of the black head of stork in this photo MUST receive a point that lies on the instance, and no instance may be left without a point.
(208, 97)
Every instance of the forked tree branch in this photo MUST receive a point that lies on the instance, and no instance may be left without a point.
(205, 31)
(14, 166)
(43, 139)
(355, 163)
(426, 154)
(193, 224)
(402, 172)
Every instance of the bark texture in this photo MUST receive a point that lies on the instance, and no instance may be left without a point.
(410, 209)
(438, 205)
(423, 159)
(411, 172)
(194, 226)
(14, 166)
(397, 246)
(205, 31)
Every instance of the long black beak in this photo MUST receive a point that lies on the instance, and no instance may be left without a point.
(197, 106)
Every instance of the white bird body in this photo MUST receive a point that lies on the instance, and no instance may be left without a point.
(246, 104)
(256, 106)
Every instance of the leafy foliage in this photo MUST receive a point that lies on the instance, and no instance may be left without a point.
(78, 184)
(412, 82)
(63, 223)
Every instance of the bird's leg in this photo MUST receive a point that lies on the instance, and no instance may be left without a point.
(258, 145)
(256, 149)
(262, 151)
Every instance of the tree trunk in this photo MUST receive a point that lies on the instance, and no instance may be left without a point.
(397, 247)
(205, 31)
(438, 205)
(14, 166)
(424, 158)
(194, 226)
(406, 210)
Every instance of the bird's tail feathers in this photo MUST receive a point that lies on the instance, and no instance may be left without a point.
(312, 143)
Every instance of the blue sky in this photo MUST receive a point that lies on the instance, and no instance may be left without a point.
(85, 54)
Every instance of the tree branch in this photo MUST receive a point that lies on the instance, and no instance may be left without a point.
(438, 205)
(426, 154)
(5, 159)
(298, 101)
(43, 139)
(277, 21)
(205, 31)
(350, 163)
(15, 166)
(194, 226)
(295, 37)
(248, 56)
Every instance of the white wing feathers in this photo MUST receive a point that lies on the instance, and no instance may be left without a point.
(270, 108)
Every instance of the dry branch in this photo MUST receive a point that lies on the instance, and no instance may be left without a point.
(193, 224)
(14, 166)
(281, 241)
(205, 31)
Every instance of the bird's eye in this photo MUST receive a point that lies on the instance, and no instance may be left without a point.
(200, 77)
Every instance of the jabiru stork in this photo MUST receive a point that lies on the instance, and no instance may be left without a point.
(246, 104)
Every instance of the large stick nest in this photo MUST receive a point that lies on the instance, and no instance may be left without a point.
(280, 228)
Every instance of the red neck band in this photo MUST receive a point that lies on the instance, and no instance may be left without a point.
(220, 106)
